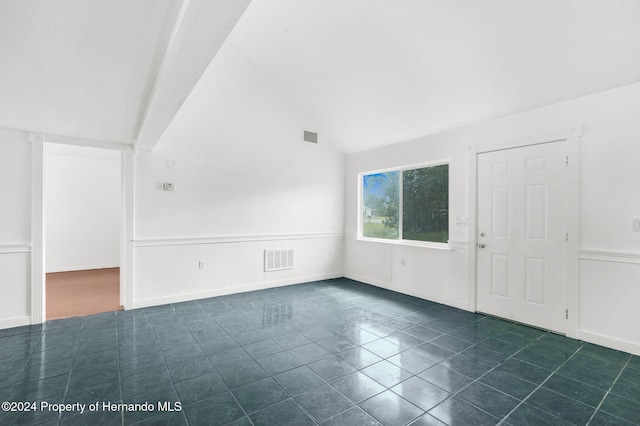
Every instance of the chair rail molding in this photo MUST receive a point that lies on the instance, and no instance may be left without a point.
(609, 256)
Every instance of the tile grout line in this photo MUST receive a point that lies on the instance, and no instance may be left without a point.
(119, 371)
(412, 375)
(541, 385)
(308, 313)
(460, 353)
(269, 375)
(609, 390)
(329, 383)
(72, 362)
(477, 380)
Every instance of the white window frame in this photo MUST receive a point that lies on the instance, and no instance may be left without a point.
(400, 240)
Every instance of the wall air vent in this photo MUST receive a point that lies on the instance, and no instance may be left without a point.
(278, 259)
(310, 137)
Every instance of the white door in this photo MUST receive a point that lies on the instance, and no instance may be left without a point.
(522, 231)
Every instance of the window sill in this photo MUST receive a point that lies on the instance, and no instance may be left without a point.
(422, 244)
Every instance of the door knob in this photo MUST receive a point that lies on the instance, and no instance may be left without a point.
(481, 245)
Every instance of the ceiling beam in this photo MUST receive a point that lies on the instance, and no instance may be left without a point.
(201, 28)
(69, 140)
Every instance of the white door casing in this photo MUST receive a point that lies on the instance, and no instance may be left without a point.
(522, 234)
(38, 281)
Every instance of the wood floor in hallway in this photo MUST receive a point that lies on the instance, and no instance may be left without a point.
(76, 293)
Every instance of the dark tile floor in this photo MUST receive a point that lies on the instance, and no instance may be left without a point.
(332, 353)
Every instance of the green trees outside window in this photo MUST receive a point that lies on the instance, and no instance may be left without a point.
(420, 196)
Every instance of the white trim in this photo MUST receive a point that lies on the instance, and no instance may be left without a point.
(609, 256)
(400, 169)
(403, 168)
(472, 222)
(367, 280)
(233, 290)
(92, 143)
(412, 243)
(81, 268)
(610, 342)
(15, 248)
(456, 303)
(38, 163)
(574, 131)
(180, 241)
(127, 227)
(38, 282)
(458, 245)
(14, 322)
(573, 218)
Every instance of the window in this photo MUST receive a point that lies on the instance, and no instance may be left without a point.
(406, 204)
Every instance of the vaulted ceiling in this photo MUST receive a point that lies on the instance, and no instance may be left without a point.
(372, 72)
(368, 72)
(105, 71)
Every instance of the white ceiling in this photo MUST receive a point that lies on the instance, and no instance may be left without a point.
(372, 72)
(105, 70)
(368, 72)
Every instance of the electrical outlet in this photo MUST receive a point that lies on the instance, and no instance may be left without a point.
(402, 263)
(202, 264)
(635, 225)
(330, 254)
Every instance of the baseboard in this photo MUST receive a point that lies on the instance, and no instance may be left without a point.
(14, 322)
(81, 268)
(232, 290)
(610, 342)
(368, 280)
(409, 291)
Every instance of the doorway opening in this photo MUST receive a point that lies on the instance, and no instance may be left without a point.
(82, 206)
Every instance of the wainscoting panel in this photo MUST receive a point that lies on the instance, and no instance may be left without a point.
(430, 273)
(174, 270)
(608, 295)
(15, 285)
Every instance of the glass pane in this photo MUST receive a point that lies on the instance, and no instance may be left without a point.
(425, 204)
(380, 203)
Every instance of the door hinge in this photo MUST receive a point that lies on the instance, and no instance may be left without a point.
(566, 314)
(566, 237)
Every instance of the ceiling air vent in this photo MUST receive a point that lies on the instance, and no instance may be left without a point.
(278, 259)
(310, 137)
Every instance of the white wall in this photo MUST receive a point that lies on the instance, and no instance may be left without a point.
(82, 190)
(15, 228)
(244, 181)
(430, 273)
(609, 265)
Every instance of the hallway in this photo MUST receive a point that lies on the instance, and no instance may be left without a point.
(78, 293)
